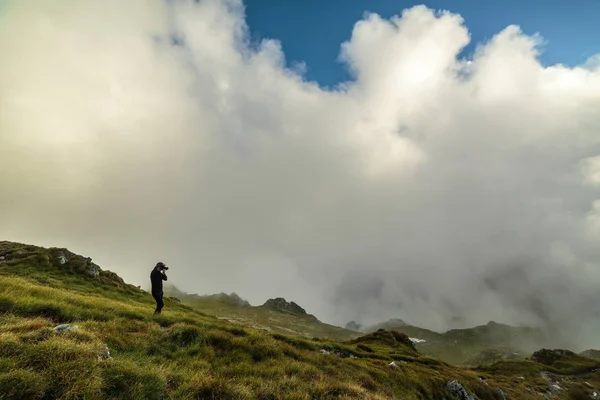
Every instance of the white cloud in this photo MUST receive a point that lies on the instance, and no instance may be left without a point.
(429, 188)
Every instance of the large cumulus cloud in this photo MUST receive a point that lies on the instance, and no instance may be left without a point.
(430, 187)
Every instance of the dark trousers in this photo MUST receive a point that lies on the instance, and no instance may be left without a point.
(159, 302)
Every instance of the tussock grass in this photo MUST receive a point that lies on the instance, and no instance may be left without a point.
(181, 354)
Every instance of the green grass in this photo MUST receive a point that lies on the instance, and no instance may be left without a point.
(187, 354)
(261, 317)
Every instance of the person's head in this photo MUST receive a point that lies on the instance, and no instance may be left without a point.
(161, 266)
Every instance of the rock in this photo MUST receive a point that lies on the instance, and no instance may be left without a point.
(62, 259)
(400, 338)
(323, 351)
(390, 338)
(393, 364)
(65, 328)
(502, 394)
(176, 299)
(282, 305)
(459, 391)
(93, 270)
(105, 353)
(554, 389)
(548, 357)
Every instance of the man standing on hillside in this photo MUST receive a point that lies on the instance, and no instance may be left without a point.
(157, 276)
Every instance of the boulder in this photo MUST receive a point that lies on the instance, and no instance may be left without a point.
(459, 391)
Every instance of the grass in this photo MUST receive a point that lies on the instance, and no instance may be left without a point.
(187, 354)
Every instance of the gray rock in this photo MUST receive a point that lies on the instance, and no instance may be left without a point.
(502, 394)
(62, 259)
(459, 391)
(93, 269)
(105, 353)
(65, 328)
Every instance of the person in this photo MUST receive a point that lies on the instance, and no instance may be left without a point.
(157, 276)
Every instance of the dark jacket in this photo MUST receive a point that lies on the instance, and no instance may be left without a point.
(157, 278)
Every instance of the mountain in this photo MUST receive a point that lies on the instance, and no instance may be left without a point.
(472, 346)
(393, 323)
(231, 299)
(69, 331)
(593, 354)
(353, 326)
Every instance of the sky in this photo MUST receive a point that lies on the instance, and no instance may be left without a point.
(442, 190)
(569, 28)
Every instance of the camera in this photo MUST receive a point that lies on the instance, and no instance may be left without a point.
(165, 267)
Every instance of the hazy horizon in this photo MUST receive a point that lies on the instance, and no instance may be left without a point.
(438, 190)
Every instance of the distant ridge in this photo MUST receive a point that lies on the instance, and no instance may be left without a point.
(282, 305)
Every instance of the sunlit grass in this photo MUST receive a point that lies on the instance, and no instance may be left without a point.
(186, 354)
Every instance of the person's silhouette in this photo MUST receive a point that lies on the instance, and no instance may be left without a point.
(157, 276)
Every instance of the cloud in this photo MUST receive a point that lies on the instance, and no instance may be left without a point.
(429, 188)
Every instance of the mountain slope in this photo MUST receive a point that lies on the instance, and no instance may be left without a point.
(276, 315)
(483, 344)
(113, 348)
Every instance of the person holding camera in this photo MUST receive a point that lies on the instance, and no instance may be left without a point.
(157, 276)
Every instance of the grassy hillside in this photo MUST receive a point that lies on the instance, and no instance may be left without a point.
(118, 350)
(238, 311)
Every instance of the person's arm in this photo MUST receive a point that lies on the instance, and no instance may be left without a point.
(164, 275)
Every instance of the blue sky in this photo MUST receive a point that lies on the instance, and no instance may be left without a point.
(313, 30)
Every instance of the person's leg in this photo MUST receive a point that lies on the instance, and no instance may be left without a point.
(159, 302)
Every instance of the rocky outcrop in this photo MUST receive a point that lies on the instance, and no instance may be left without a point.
(565, 361)
(74, 262)
(21, 257)
(391, 338)
(459, 391)
(282, 305)
(549, 357)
